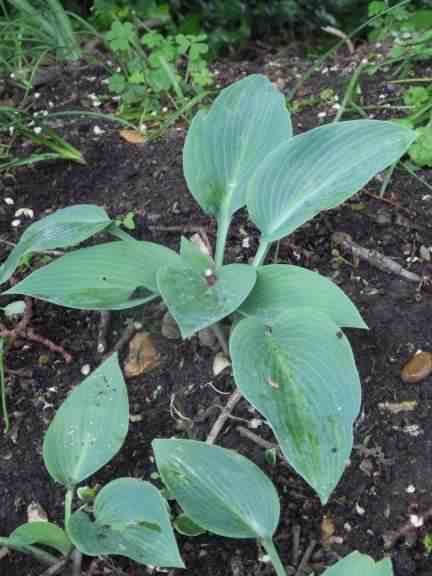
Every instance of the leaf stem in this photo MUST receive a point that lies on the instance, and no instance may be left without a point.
(220, 336)
(261, 253)
(68, 506)
(41, 555)
(274, 556)
(224, 222)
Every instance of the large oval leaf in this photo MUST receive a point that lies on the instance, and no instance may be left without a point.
(90, 426)
(319, 170)
(280, 287)
(220, 490)
(44, 533)
(103, 277)
(301, 375)
(66, 227)
(197, 300)
(357, 564)
(224, 145)
(130, 519)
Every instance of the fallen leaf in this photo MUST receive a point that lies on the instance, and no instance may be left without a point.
(132, 136)
(417, 368)
(327, 529)
(142, 356)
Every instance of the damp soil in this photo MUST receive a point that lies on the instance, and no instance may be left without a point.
(388, 479)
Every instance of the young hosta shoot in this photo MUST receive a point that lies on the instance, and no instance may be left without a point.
(129, 517)
(227, 494)
(289, 356)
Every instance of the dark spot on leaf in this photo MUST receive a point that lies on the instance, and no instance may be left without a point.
(339, 334)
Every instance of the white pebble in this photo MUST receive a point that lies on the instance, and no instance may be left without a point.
(85, 370)
(27, 212)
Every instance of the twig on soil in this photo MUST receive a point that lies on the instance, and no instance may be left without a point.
(306, 556)
(22, 330)
(296, 544)
(391, 537)
(341, 35)
(30, 334)
(56, 568)
(223, 416)
(104, 322)
(409, 212)
(93, 566)
(255, 438)
(376, 259)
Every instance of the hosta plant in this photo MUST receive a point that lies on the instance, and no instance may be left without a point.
(290, 358)
(128, 517)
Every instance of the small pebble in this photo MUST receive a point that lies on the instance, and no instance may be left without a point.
(417, 368)
(85, 370)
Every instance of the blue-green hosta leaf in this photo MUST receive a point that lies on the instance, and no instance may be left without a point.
(357, 564)
(105, 277)
(224, 145)
(64, 228)
(280, 287)
(301, 375)
(199, 297)
(43, 533)
(320, 169)
(187, 527)
(130, 519)
(220, 490)
(90, 426)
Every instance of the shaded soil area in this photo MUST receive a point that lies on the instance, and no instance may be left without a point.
(388, 479)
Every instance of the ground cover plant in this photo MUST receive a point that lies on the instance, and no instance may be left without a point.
(150, 69)
(303, 378)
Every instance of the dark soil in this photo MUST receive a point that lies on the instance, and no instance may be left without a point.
(389, 476)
